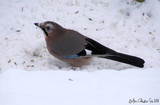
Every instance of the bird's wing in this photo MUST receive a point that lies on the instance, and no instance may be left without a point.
(97, 48)
(104, 52)
(70, 43)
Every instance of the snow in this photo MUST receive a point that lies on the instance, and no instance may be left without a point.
(29, 75)
(78, 87)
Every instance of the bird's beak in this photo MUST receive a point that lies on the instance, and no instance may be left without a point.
(37, 24)
(40, 26)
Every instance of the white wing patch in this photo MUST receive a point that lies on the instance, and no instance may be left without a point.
(88, 52)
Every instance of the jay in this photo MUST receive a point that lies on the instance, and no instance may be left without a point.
(72, 47)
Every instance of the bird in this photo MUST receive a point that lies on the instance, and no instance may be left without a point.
(77, 50)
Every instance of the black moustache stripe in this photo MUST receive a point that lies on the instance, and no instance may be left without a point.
(45, 32)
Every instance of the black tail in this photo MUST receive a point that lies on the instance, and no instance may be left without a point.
(97, 48)
(132, 60)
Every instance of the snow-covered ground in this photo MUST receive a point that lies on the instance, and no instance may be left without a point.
(29, 75)
(105, 87)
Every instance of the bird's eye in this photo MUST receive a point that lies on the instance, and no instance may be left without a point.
(48, 29)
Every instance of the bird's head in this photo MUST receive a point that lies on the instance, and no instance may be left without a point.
(49, 27)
